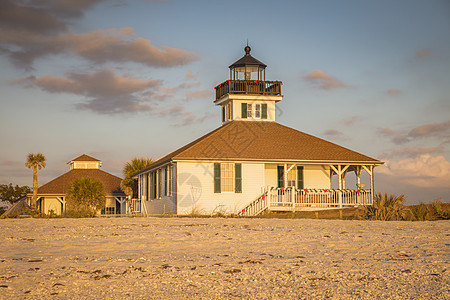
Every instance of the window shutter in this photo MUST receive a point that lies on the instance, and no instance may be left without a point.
(300, 178)
(216, 178)
(280, 176)
(238, 178)
(264, 111)
(244, 110)
(223, 113)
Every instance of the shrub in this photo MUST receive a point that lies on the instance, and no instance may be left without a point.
(387, 208)
(86, 195)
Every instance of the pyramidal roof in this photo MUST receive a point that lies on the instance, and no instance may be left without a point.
(59, 185)
(263, 141)
(84, 157)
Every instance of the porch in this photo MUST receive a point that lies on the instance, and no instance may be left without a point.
(293, 199)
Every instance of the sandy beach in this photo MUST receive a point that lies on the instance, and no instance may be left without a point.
(216, 258)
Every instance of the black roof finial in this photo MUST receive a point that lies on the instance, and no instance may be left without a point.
(247, 49)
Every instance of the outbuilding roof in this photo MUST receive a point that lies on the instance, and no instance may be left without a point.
(263, 141)
(59, 185)
(84, 157)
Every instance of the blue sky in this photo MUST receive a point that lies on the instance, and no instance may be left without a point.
(119, 79)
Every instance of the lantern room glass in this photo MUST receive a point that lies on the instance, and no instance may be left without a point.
(247, 73)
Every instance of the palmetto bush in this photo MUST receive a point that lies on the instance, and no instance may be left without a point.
(387, 208)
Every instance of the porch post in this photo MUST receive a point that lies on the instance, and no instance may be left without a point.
(372, 185)
(340, 185)
(285, 176)
(358, 183)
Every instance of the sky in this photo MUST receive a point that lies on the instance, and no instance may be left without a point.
(119, 79)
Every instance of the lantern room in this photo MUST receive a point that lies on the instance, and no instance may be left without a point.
(248, 68)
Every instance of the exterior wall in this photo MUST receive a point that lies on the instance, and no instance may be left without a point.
(50, 203)
(162, 204)
(316, 176)
(237, 107)
(271, 175)
(195, 188)
(85, 165)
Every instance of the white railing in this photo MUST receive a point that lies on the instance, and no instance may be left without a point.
(289, 199)
(255, 207)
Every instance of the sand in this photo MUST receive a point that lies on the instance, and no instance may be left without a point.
(215, 258)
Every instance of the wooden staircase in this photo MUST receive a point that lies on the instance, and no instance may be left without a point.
(256, 207)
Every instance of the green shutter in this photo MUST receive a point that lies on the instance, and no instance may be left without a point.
(244, 110)
(280, 176)
(216, 178)
(300, 178)
(264, 111)
(223, 113)
(238, 178)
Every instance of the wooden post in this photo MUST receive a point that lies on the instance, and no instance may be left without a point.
(340, 185)
(293, 198)
(372, 185)
(358, 183)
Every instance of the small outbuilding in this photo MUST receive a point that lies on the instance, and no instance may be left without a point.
(51, 196)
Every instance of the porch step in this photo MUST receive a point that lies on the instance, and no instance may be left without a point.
(256, 207)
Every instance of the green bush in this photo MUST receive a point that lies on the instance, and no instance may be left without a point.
(387, 208)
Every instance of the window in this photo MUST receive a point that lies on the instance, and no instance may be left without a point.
(249, 110)
(257, 111)
(165, 181)
(155, 186)
(159, 183)
(300, 184)
(264, 111)
(227, 177)
(148, 186)
(280, 176)
(223, 113)
(229, 107)
(169, 180)
(244, 110)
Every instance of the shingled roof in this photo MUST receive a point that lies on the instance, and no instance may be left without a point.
(59, 185)
(263, 141)
(84, 157)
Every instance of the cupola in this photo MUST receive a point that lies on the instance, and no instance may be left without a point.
(84, 162)
(247, 96)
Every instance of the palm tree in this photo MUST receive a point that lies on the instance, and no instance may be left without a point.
(131, 167)
(35, 161)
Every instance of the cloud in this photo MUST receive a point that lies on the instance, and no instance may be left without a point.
(106, 92)
(412, 152)
(35, 29)
(190, 75)
(423, 171)
(394, 92)
(199, 94)
(332, 132)
(324, 81)
(351, 121)
(439, 130)
(100, 46)
(422, 53)
(431, 130)
(335, 134)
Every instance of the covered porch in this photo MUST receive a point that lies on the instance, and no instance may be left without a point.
(301, 186)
